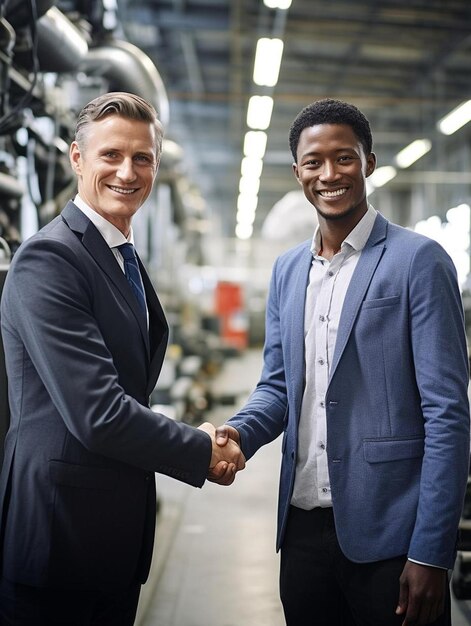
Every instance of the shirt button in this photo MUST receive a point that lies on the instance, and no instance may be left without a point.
(330, 273)
(321, 361)
(324, 490)
(322, 446)
(321, 318)
(322, 404)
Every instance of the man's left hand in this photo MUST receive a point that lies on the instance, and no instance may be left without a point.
(422, 590)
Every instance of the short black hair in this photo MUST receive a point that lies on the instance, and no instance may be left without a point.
(329, 111)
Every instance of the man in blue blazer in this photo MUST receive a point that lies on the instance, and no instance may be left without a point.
(84, 347)
(365, 374)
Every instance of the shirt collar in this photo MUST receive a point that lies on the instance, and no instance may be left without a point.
(357, 238)
(112, 235)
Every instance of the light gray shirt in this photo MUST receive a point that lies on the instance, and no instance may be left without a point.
(328, 284)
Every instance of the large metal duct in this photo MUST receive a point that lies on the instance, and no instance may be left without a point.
(61, 46)
(10, 187)
(127, 68)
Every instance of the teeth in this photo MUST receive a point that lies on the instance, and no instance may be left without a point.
(123, 191)
(333, 194)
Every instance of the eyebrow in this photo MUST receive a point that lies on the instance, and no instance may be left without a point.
(337, 150)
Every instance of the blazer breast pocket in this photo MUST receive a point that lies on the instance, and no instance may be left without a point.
(380, 302)
(387, 450)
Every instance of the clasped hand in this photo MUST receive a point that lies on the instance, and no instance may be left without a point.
(227, 458)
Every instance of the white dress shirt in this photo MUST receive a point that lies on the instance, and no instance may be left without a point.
(328, 284)
(112, 235)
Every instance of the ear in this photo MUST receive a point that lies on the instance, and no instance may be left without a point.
(296, 172)
(75, 157)
(370, 164)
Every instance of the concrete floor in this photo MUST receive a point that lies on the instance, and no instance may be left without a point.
(215, 562)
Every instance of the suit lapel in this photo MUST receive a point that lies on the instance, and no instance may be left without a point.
(100, 251)
(158, 330)
(296, 340)
(367, 263)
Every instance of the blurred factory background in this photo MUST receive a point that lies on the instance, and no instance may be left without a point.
(227, 78)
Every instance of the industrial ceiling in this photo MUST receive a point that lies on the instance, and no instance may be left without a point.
(405, 64)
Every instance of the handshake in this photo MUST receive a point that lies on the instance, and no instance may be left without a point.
(227, 457)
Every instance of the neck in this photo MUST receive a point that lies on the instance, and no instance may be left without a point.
(330, 242)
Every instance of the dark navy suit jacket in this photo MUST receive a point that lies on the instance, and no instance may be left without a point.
(77, 490)
(396, 403)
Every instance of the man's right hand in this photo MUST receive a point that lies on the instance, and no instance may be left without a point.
(227, 457)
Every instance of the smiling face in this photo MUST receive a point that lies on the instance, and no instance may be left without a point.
(116, 166)
(332, 168)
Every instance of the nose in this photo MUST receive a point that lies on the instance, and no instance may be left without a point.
(126, 170)
(329, 171)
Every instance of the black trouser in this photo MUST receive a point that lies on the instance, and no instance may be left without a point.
(321, 587)
(21, 605)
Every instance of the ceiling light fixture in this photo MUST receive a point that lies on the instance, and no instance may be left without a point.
(255, 143)
(245, 217)
(247, 202)
(413, 152)
(259, 112)
(267, 61)
(277, 4)
(455, 119)
(249, 185)
(382, 175)
(244, 231)
(251, 166)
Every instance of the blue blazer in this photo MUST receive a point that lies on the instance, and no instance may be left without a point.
(77, 490)
(397, 404)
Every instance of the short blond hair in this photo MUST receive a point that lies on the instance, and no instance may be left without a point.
(126, 105)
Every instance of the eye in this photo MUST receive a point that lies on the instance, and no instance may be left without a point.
(143, 158)
(346, 158)
(312, 163)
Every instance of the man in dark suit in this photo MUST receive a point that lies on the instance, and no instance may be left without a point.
(84, 341)
(366, 375)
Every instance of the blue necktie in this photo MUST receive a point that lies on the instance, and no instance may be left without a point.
(131, 269)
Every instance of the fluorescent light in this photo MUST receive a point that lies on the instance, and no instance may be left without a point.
(259, 112)
(247, 202)
(245, 217)
(277, 4)
(413, 152)
(244, 231)
(457, 118)
(267, 61)
(255, 143)
(251, 166)
(382, 175)
(249, 185)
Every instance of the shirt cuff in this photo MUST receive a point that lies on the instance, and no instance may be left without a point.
(427, 564)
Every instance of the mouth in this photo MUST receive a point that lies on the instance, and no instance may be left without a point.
(335, 193)
(124, 191)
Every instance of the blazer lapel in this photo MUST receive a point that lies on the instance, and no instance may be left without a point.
(100, 251)
(296, 341)
(158, 330)
(367, 263)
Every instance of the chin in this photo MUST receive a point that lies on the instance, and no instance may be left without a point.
(335, 214)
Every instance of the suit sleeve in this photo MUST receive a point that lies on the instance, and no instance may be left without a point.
(50, 307)
(441, 367)
(261, 420)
